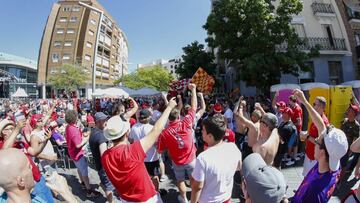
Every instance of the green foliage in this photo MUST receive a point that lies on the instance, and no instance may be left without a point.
(69, 77)
(155, 77)
(194, 57)
(248, 33)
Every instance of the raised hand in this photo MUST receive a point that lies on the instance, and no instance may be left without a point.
(172, 102)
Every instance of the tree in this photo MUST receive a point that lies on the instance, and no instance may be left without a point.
(155, 77)
(251, 33)
(194, 57)
(69, 77)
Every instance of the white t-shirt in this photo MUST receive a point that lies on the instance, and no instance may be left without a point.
(216, 168)
(229, 115)
(138, 131)
(155, 115)
(48, 149)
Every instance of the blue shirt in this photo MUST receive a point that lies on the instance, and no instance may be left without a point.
(34, 199)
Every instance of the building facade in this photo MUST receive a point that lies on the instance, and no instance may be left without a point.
(170, 65)
(350, 13)
(83, 33)
(320, 24)
(17, 72)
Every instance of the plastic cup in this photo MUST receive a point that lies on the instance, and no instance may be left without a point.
(302, 133)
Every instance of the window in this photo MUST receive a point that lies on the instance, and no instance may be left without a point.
(70, 31)
(57, 43)
(60, 31)
(66, 57)
(73, 19)
(68, 44)
(329, 34)
(63, 19)
(88, 44)
(91, 32)
(67, 8)
(335, 72)
(300, 30)
(55, 58)
(92, 21)
(76, 8)
(87, 57)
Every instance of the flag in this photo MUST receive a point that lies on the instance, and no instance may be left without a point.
(204, 82)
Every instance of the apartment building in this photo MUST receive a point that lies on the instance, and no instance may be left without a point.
(350, 13)
(319, 23)
(170, 65)
(83, 33)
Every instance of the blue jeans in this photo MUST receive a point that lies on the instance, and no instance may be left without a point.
(41, 190)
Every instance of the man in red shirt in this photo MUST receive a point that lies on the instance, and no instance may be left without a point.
(297, 119)
(178, 140)
(309, 161)
(124, 163)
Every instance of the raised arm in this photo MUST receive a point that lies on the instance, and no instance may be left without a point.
(240, 119)
(192, 88)
(180, 104)
(315, 117)
(258, 107)
(273, 102)
(37, 145)
(11, 140)
(132, 111)
(202, 104)
(148, 141)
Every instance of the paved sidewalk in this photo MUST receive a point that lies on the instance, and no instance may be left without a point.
(292, 174)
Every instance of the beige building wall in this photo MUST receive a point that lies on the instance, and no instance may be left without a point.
(70, 37)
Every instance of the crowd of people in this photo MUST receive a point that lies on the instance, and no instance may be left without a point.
(215, 142)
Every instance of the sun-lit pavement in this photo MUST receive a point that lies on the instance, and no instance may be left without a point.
(292, 174)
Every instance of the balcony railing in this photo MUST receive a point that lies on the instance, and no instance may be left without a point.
(322, 8)
(323, 43)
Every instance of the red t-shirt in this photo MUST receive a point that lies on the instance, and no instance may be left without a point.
(23, 146)
(73, 137)
(298, 113)
(228, 137)
(178, 139)
(90, 119)
(313, 132)
(124, 165)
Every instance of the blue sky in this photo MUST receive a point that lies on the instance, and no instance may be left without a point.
(154, 28)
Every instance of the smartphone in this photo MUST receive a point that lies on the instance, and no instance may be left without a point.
(19, 116)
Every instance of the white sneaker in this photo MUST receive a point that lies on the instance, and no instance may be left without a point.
(289, 163)
(182, 200)
(297, 158)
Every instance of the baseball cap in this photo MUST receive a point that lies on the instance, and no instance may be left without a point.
(337, 146)
(145, 114)
(116, 128)
(264, 183)
(100, 116)
(354, 108)
(5, 123)
(281, 104)
(34, 119)
(217, 108)
(270, 120)
(287, 110)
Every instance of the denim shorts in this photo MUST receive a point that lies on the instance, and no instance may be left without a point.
(82, 166)
(183, 170)
(105, 180)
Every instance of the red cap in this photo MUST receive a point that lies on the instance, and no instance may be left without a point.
(34, 119)
(354, 108)
(281, 104)
(287, 110)
(217, 108)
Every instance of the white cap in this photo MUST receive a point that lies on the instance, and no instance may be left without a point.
(116, 128)
(337, 146)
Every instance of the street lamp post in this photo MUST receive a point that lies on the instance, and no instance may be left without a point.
(96, 43)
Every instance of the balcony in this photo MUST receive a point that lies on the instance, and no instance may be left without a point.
(323, 43)
(322, 9)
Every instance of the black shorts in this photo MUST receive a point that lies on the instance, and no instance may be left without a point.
(153, 168)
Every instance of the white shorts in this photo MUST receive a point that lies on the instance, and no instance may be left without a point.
(154, 199)
(308, 165)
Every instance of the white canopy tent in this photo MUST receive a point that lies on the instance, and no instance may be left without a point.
(110, 92)
(20, 92)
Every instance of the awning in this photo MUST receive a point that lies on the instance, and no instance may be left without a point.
(352, 4)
